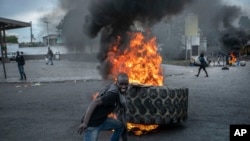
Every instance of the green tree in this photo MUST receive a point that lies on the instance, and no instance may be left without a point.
(11, 39)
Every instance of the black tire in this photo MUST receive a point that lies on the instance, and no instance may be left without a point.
(157, 105)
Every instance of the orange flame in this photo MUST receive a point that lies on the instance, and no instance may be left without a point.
(233, 58)
(140, 60)
(141, 128)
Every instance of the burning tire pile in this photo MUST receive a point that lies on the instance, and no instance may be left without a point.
(149, 104)
(157, 105)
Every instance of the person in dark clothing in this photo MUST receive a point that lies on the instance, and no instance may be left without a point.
(218, 60)
(203, 65)
(50, 56)
(20, 64)
(96, 117)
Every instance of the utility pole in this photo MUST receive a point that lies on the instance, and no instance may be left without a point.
(3, 47)
(46, 21)
(186, 43)
(31, 34)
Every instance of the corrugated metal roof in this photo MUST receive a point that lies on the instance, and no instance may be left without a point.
(12, 24)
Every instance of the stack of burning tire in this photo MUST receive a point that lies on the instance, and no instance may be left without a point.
(157, 105)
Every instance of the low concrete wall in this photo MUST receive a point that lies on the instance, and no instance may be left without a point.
(71, 57)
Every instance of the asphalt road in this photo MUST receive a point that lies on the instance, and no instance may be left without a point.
(51, 111)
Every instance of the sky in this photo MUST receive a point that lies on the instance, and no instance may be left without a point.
(28, 11)
(34, 10)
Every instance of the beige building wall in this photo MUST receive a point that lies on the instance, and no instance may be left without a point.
(191, 25)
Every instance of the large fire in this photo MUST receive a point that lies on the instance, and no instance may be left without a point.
(233, 58)
(142, 62)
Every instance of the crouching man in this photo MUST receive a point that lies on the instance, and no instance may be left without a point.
(96, 116)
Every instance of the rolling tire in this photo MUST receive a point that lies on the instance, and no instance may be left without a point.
(157, 105)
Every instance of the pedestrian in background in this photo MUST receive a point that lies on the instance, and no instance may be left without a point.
(218, 60)
(20, 63)
(203, 65)
(50, 56)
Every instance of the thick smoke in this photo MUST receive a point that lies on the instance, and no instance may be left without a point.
(104, 20)
(219, 23)
(215, 19)
(72, 25)
(113, 18)
(122, 13)
(67, 20)
(169, 32)
(234, 39)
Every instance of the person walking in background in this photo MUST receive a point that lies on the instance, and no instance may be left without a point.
(20, 63)
(203, 65)
(218, 60)
(50, 56)
(96, 119)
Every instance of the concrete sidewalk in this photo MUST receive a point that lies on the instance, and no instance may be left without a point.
(38, 71)
(64, 70)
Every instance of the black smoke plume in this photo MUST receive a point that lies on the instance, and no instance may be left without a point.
(113, 18)
(109, 18)
(218, 22)
(234, 39)
(122, 13)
